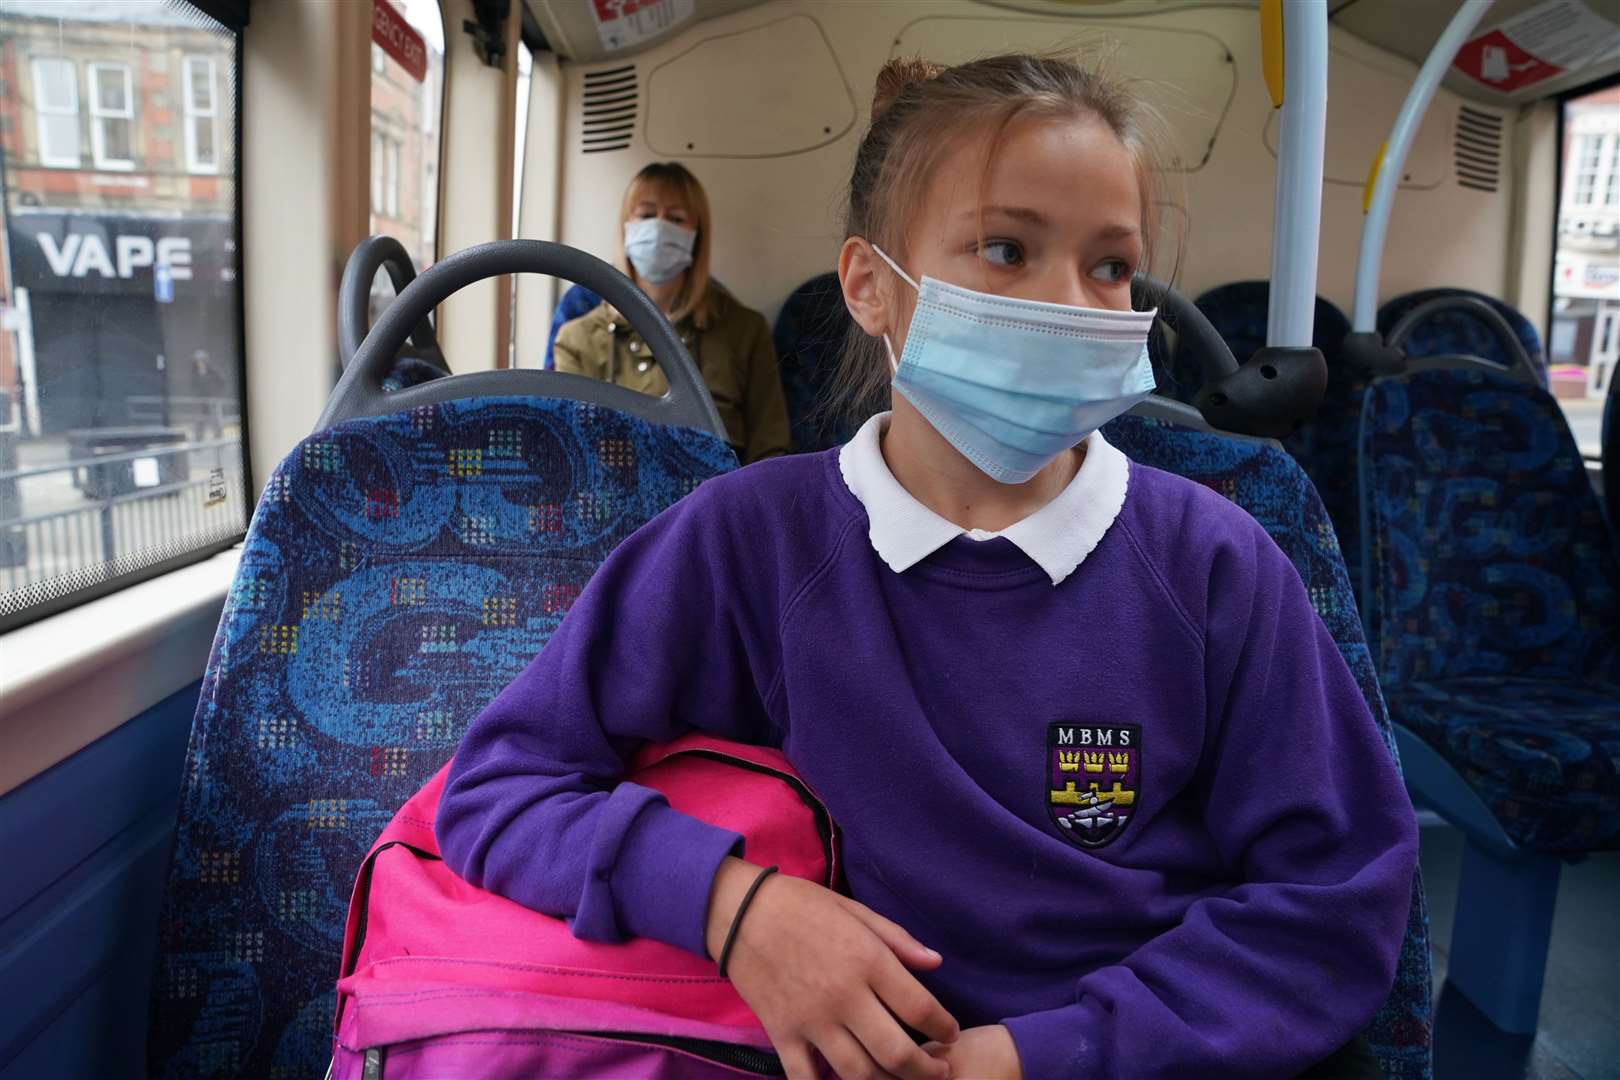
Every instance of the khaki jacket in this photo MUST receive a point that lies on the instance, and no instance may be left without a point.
(734, 354)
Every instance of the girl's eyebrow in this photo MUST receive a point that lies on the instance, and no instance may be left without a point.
(1019, 213)
(1036, 218)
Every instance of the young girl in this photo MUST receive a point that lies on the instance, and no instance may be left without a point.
(1078, 723)
(667, 235)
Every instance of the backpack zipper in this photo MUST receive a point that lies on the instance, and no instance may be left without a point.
(824, 823)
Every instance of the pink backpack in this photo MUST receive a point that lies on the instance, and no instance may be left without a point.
(444, 979)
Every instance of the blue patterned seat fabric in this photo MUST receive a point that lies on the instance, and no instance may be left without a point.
(410, 371)
(1271, 486)
(399, 571)
(1492, 598)
(1552, 786)
(809, 336)
(1460, 333)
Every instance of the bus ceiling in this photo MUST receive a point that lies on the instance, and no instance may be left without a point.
(1507, 69)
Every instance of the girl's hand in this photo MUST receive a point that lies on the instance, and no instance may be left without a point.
(823, 972)
(981, 1053)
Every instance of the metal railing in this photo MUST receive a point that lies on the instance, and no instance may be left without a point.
(210, 413)
(54, 544)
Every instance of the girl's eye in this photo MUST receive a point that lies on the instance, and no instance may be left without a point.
(643, 214)
(1002, 252)
(1113, 271)
(675, 219)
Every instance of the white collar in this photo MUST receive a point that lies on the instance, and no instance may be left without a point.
(1058, 536)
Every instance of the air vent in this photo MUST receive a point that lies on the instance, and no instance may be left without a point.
(1477, 149)
(610, 109)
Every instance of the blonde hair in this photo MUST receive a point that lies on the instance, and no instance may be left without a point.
(921, 109)
(697, 298)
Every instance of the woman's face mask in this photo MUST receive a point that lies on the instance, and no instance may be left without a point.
(659, 250)
(1011, 383)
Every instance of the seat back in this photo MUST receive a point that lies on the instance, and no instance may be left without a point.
(809, 335)
(1485, 551)
(399, 571)
(1325, 446)
(577, 301)
(1238, 313)
(1457, 332)
(1272, 487)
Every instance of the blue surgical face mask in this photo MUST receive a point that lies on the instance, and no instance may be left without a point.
(1014, 383)
(659, 250)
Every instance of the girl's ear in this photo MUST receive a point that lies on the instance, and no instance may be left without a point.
(859, 273)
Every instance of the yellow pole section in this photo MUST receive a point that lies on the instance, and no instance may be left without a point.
(1271, 48)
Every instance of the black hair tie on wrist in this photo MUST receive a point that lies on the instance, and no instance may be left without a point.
(736, 920)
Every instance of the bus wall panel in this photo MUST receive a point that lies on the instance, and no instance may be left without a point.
(85, 845)
(778, 218)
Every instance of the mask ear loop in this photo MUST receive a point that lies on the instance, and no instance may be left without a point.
(894, 365)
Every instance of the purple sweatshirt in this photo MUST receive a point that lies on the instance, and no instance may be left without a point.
(1144, 814)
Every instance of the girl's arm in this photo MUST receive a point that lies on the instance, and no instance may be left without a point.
(1303, 800)
(535, 808)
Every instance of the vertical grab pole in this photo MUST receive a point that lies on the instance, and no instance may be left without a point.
(1275, 392)
(1385, 177)
(1302, 34)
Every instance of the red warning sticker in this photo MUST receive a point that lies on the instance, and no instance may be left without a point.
(1537, 44)
(1496, 61)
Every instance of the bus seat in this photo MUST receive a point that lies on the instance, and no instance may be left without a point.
(422, 359)
(1492, 598)
(1326, 445)
(400, 570)
(577, 301)
(1238, 313)
(809, 335)
(1457, 333)
(1264, 480)
(405, 562)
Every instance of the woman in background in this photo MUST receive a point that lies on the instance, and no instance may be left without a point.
(667, 237)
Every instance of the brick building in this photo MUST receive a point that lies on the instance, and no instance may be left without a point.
(117, 129)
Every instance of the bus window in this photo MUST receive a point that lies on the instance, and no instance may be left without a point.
(407, 94)
(1584, 341)
(120, 357)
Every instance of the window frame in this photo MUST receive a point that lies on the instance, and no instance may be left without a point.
(193, 114)
(203, 552)
(35, 64)
(99, 114)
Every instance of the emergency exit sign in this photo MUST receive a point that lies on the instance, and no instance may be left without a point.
(398, 39)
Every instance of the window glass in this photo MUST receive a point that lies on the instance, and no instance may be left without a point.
(391, 178)
(112, 130)
(376, 178)
(56, 110)
(405, 143)
(120, 338)
(1582, 345)
(202, 128)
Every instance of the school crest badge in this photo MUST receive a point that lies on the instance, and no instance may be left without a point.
(1094, 777)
